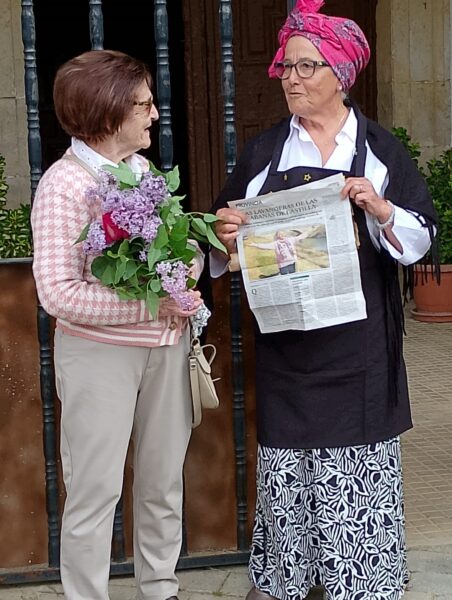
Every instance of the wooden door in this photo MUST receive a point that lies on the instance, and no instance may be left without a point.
(259, 103)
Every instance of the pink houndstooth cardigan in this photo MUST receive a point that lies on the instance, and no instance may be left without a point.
(66, 287)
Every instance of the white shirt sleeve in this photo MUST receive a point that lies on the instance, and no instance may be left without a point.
(218, 263)
(413, 237)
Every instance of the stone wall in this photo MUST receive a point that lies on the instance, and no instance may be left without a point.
(414, 70)
(13, 123)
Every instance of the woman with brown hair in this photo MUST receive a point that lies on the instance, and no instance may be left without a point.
(119, 373)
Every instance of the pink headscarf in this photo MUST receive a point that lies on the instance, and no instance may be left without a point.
(340, 41)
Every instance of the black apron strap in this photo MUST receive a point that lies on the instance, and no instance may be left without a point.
(359, 161)
(281, 140)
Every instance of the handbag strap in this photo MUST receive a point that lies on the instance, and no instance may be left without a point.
(83, 164)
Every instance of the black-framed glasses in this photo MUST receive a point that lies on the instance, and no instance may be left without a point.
(305, 68)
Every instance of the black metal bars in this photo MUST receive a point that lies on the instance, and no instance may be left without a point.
(96, 24)
(45, 346)
(163, 83)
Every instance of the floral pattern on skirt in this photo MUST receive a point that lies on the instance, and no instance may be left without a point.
(331, 517)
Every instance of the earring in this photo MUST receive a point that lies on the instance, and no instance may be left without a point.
(340, 88)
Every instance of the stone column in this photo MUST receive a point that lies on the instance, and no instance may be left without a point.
(414, 70)
(13, 121)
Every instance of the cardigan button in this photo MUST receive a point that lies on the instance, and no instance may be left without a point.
(172, 325)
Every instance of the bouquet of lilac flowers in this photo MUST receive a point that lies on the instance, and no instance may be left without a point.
(143, 241)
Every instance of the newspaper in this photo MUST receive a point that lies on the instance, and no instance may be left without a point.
(299, 259)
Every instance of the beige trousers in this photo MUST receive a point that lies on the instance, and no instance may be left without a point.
(109, 394)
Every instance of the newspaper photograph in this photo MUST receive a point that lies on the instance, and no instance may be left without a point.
(299, 259)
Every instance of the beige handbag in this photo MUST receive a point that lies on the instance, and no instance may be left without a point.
(203, 392)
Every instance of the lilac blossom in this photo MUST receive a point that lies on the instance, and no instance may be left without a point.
(95, 240)
(174, 282)
(154, 186)
(107, 183)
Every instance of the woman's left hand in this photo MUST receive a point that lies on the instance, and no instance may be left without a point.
(363, 194)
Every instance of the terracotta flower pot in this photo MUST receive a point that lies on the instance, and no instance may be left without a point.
(433, 302)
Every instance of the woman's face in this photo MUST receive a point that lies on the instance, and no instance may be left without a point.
(134, 132)
(315, 95)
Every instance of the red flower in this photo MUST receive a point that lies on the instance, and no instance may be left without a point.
(113, 233)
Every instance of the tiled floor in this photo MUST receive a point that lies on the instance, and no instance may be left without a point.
(427, 449)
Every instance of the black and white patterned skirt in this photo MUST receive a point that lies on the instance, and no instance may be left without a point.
(331, 517)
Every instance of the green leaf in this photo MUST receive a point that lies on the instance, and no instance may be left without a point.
(211, 236)
(130, 270)
(120, 270)
(154, 169)
(209, 218)
(191, 283)
(162, 237)
(153, 256)
(155, 285)
(123, 174)
(180, 229)
(172, 179)
(195, 235)
(152, 303)
(84, 234)
(124, 248)
(104, 270)
(199, 225)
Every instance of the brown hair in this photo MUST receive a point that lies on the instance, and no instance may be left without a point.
(93, 93)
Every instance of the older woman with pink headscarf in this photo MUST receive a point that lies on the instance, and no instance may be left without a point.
(333, 401)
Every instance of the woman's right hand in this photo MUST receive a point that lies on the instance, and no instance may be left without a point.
(227, 229)
(170, 308)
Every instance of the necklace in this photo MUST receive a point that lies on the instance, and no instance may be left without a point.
(336, 129)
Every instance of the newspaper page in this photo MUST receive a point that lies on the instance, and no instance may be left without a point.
(299, 258)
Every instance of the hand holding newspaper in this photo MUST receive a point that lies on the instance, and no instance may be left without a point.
(299, 258)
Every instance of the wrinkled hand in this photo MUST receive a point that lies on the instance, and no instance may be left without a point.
(169, 307)
(227, 229)
(363, 194)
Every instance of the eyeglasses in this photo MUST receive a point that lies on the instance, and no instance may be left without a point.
(146, 104)
(304, 67)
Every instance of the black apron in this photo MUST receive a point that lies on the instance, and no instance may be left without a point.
(329, 387)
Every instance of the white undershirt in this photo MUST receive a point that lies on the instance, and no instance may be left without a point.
(300, 149)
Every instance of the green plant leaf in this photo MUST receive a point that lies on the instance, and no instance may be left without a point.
(209, 218)
(130, 270)
(152, 303)
(120, 270)
(84, 234)
(154, 169)
(162, 237)
(124, 248)
(155, 285)
(172, 179)
(214, 241)
(200, 226)
(123, 174)
(179, 230)
(153, 256)
(104, 269)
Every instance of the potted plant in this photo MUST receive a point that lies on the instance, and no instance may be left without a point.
(15, 232)
(433, 301)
